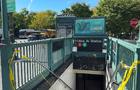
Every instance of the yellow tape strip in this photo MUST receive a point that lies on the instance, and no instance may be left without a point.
(127, 75)
(11, 75)
(25, 58)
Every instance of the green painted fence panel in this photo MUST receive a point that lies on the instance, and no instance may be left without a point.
(28, 72)
(120, 50)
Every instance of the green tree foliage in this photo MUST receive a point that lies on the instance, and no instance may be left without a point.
(67, 11)
(22, 19)
(43, 20)
(79, 10)
(118, 14)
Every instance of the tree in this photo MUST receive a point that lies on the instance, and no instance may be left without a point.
(94, 12)
(66, 11)
(43, 20)
(79, 10)
(21, 20)
(118, 14)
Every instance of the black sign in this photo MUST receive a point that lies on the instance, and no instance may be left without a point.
(65, 25)
(57, 45)
(89, 45)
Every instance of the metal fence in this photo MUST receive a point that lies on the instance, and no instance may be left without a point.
(122, 51)
(25, 71)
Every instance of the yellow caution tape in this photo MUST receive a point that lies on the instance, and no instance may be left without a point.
(11, 75)
(127, 75)
(25, 58)
(124, 66)
(17, 51)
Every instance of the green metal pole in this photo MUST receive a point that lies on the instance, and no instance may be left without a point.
(6, 50)
(4, 14)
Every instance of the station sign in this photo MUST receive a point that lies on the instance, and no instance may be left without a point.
(89, 45)
(11, 6)
(88, 27)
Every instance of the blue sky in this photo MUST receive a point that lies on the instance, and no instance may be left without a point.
(56, 5)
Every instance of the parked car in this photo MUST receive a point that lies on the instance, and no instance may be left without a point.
(35, 37)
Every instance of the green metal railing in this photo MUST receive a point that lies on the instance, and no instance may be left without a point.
(27, 72)
(121, 50)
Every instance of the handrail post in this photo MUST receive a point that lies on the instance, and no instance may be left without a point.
(107, 47)
(64, 49)
(117, 53)
(111, 58)
(50, 54)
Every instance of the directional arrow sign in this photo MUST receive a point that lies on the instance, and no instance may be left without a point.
(11, 5)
